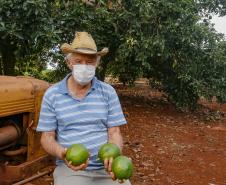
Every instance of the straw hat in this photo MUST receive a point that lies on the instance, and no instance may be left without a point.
(83, 43)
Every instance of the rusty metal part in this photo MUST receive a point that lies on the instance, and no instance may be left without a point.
(29, 126)
(34, 177)
(8, 134)
(18, 94)
(11, 174)
(7, 146)
(23, 95)
(21, 150)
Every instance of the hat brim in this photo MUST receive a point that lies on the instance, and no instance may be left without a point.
(66, 48)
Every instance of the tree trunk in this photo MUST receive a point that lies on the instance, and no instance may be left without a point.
(102, 72)
(8, 60)
(1, 70)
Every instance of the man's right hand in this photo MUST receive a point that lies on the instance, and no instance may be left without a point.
(76, 168)
(69, 163)
(50, 145)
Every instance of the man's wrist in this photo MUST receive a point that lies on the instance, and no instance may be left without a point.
(61, 152)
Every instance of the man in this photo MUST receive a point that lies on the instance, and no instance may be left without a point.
(81, 109)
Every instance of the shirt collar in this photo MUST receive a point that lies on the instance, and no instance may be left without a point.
(64, 89)
(94, 83)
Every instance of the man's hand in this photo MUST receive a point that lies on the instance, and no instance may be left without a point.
(69, 163)
(108, 167)
(114, 136)
(50, 145)
(108, 164)
(76, 168)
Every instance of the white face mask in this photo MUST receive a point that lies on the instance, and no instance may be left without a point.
(83, 74)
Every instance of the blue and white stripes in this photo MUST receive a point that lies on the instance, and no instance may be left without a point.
(84, 121)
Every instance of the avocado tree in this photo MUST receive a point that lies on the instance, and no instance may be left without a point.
(26, 29)
(171, 42)
(212, 6)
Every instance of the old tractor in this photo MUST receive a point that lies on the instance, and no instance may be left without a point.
(21, 154)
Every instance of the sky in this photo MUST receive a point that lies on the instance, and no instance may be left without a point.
(220, 24)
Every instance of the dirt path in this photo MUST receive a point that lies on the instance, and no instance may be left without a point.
(169, 147)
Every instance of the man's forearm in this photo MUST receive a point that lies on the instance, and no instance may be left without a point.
(51, 146)
(114, 136)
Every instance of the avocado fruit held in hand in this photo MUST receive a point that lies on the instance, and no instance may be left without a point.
(122, 167)
(77, 154)
(108, 150)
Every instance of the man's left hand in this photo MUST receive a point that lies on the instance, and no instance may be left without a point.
(107, 165)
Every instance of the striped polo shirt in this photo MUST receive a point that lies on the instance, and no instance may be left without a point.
(85, 121)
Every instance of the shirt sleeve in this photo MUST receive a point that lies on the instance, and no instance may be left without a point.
(47, 118)
(115, 113)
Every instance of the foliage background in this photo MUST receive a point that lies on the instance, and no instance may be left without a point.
(170, 42)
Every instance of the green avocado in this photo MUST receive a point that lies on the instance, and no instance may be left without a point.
(108, 150)
(77, 154)
(122, 167)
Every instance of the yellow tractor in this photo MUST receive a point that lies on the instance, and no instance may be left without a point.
(21, 154)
